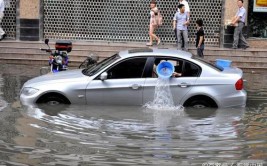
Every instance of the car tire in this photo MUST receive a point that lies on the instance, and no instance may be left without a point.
(53, 99)
(199, 104)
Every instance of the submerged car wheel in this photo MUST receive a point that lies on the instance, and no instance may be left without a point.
(53, 99)
(200, 102)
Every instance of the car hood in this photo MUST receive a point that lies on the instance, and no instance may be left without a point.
(63, 76)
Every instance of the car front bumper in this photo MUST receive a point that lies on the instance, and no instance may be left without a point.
(28, 100)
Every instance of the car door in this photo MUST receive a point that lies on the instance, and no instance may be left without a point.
(123, 86)
(179, 86)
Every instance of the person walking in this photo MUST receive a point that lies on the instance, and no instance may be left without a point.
(239, 22)
(180, 22)
(153, 23)
(200, 38)
(2, 8)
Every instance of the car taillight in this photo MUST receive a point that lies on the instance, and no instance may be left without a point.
(239, 84)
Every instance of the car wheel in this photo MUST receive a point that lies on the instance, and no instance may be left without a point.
(200, 101)
(53, 99)
(199, 104)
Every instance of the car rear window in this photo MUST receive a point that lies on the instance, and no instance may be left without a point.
(209, 64)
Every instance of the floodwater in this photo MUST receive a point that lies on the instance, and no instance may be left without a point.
(97, 135)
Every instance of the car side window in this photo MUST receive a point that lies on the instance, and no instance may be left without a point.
(131, 68)
(190, 70)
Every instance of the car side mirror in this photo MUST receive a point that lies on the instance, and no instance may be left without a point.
(46, 41)
(104, 76)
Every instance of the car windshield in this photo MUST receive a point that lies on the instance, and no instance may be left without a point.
(209, 64)
(101, 65)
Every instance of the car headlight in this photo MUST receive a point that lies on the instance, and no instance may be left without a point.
(29, 91)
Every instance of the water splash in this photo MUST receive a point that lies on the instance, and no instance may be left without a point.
(163, 99)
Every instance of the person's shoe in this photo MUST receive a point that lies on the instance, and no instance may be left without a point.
(4, 36)
(148, 44)
(158, 42)
(245, 47)
(234, 47)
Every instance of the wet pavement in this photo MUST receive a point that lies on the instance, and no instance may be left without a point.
(109, 135)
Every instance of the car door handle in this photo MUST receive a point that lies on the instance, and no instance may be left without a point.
(135, 86)
(183, 85)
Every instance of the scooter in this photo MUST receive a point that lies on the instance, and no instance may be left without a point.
(58, 59)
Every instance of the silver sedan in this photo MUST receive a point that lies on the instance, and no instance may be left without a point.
(128, 78)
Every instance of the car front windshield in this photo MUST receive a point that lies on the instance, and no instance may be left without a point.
(101, 65)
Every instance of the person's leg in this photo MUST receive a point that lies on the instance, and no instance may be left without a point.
(182, 42)
(200, 51)
(185, 36)
(151, 30)
(179, 39)
(175, 34)
(236, 36)
(242, 40)
(156, 38)
(1, 30)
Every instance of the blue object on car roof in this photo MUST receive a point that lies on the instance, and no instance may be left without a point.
(223, 63)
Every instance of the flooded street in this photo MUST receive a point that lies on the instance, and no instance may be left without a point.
(108, 135)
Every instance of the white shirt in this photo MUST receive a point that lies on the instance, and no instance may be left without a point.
(241, 13)
(185, 3)
(2, 6)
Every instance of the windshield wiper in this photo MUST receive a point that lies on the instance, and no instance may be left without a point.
(96, 69)
(87, 70)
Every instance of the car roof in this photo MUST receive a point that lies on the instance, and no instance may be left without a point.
(155, 52)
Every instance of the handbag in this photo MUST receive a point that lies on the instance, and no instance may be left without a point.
(158, 19)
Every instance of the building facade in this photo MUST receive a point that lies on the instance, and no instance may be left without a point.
(122, 20)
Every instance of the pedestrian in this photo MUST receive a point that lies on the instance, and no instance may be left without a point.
(200, 38)
(239, 22)
(153, 23)
(180, 22)
(187, 10)
(2, 8)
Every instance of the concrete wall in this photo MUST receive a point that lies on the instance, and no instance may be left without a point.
(29, 20)
(29, 9)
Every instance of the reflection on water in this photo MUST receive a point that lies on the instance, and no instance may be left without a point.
(109, 135)
(95, 135)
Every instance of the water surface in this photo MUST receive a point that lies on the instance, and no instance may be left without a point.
(109, 135)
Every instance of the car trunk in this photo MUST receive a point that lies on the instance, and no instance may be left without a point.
(233, 70)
